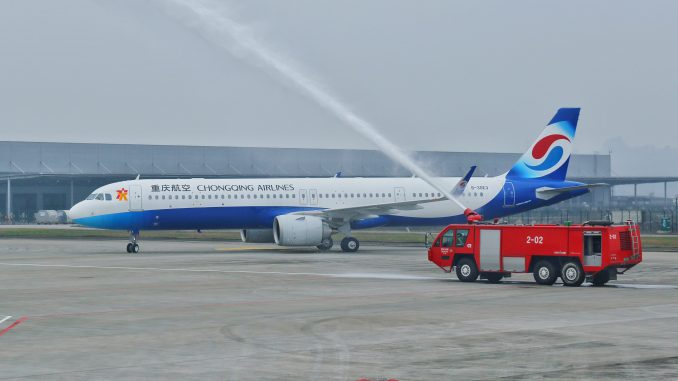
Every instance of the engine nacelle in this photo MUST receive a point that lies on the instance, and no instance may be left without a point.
(257, 235)
(294, 230)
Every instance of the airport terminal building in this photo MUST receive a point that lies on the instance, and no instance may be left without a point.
(57, 175)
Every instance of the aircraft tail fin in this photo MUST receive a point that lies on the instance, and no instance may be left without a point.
(549, 155)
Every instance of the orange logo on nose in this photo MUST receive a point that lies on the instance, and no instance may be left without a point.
(122, 194)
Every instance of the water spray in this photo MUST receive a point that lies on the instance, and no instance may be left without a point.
(213, 22)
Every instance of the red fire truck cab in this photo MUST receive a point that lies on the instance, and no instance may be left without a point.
(595, 251)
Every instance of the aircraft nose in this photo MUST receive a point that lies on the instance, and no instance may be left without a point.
(77, 211)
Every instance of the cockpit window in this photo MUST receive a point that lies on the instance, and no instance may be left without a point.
(100, 196)
(91, 197)
(109, 197)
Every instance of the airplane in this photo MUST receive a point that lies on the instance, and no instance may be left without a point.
(308, 211)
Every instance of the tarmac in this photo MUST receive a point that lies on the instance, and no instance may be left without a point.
(87, 310)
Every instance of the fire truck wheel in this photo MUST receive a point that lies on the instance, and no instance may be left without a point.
(601, 278)
(572, 274)
(545, 273)
(494, 277)
(467, 271)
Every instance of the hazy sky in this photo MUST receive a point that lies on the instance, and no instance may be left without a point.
(432, 75)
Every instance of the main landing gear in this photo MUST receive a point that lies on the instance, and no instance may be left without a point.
(326, 244)
(350, 245)
(133, 246)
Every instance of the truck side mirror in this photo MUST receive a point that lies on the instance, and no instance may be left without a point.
(427, 240)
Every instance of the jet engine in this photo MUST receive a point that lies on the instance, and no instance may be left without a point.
(257, 235)
(295, 230)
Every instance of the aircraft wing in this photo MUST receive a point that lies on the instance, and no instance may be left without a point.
(360, 212)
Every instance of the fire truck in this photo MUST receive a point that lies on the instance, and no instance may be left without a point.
(595, 251)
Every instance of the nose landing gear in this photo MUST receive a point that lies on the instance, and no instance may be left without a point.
(133, 246)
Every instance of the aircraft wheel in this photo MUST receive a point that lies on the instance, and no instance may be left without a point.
(572, 274)
(130, 247)
(350, 245)
(135, 248)
(326, 244)
(545, 273)
(467, 271)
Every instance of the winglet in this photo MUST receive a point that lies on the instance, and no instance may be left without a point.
(461, 184)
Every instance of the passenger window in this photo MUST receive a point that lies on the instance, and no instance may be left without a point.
(383, 195)
(462, 236)
(156, 197)
(389, 195)
(150, 197)
(294, 195)
(183, 196)
(448, 238)
(163, 197)
(176, 197)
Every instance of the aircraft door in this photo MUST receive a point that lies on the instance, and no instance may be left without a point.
(303, 196)
(313, 196)
(399, 194)
(135, 198)
(509, 194)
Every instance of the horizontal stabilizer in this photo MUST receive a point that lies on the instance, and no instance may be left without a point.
(547, 193)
